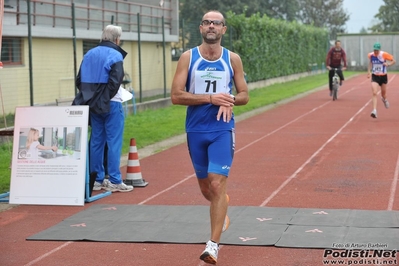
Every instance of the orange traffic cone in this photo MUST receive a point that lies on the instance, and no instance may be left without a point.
(133, 176)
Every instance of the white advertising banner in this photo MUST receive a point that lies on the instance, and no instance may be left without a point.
(49, 155)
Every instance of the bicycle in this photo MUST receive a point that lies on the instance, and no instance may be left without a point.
(335, 84)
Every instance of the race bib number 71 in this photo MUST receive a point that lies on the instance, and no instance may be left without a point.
(210, 82)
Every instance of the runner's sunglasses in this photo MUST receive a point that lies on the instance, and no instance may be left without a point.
(208, 22)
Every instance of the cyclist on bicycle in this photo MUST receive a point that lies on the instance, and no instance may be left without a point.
(334, 59)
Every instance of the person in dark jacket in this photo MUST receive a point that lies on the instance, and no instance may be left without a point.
(334, 59)
(99, 79)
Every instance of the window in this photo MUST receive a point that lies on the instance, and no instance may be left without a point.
(11, 51)
(87, 45)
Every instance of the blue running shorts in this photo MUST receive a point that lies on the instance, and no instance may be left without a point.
(211, 152)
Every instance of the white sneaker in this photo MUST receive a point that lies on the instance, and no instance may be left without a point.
(99, 186)
(122, 187)
(385, 101)
(374, 114)
(210, 254)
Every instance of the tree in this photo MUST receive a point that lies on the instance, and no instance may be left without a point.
(388, 16)
(363, 30)
(319, 13)
(192, 10)
(282, 9)
(324, 14)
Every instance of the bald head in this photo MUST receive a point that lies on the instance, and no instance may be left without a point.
(214, 13)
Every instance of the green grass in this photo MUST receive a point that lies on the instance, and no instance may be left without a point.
(7, 121)
(151, 126)
(5, 162)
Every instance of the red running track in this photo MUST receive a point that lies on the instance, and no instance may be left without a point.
(307, 153)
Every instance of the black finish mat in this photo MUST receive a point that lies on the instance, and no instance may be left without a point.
(254, 226)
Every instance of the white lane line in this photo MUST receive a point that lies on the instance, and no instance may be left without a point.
(241, 149)
(393, 187)
(283, 126)
(248, 145)
(316, 153)
(48, 253)
(167, 189)
(311, 157)
(296, 119)
(395, 179)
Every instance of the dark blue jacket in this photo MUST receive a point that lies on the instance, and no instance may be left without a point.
(100, 76)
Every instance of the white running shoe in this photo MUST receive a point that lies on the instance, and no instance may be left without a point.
(99, 186)
(374, 114)
(210, 254)
(385, 101)
(122, 187)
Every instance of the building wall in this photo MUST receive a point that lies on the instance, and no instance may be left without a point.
(53, 63)
(54, 18)
(53, 71)
(152, 69)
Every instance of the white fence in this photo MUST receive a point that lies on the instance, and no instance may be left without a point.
(357, 46)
